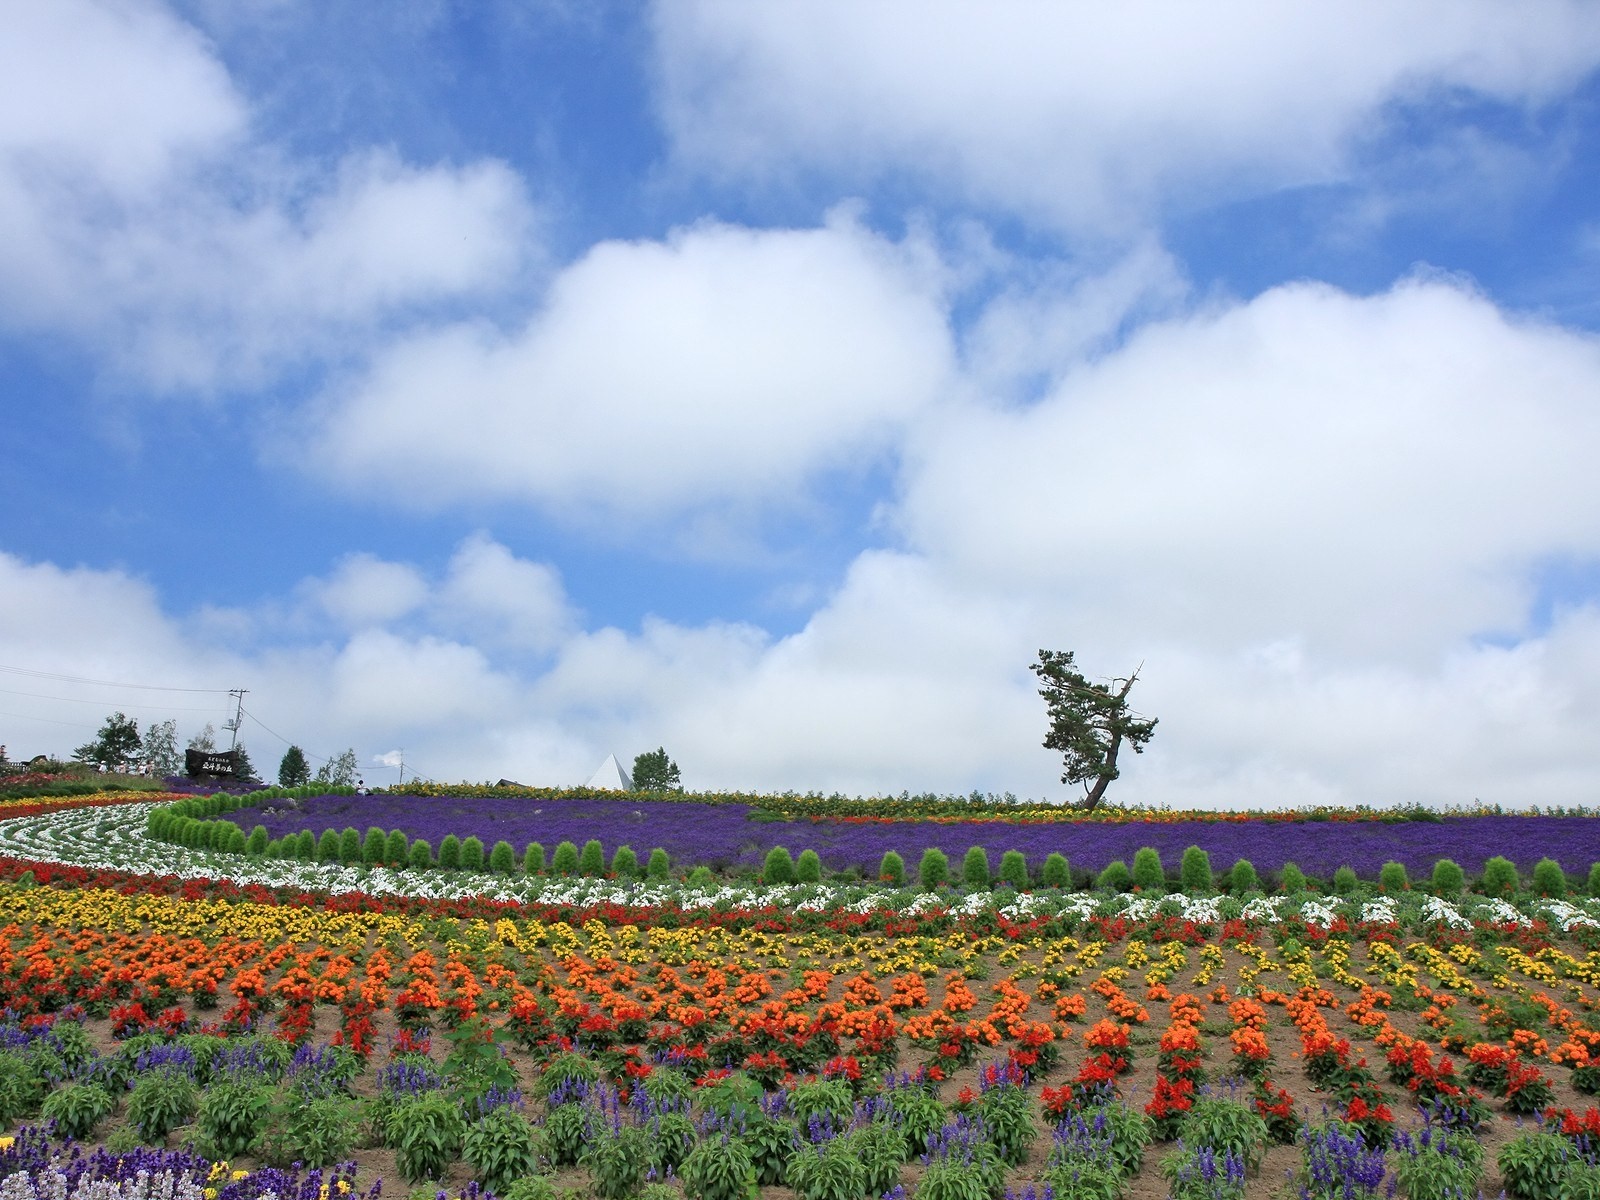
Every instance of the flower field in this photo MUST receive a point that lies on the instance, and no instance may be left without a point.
(230, 1026)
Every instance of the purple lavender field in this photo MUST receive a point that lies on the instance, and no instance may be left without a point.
(722, 835)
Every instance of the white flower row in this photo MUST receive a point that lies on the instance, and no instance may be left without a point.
(113, 838)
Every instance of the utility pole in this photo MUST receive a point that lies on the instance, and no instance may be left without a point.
(402, 764)
(238, 717)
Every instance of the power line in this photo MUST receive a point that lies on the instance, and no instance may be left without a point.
(284, 740)
(144, 687)
(78, 700)
(46, 720)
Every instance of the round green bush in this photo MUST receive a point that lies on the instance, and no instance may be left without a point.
(1392, 877)
(1344, 881)
(1549, 879)
(471, 854)
(257, 843)
(624, 863)
(701, 877)
(328, 846)
(450, 852)
(502, 858)
(1014, 870)
(779, 867)
(592, 859)
(533, 862)
(975, 868)
(350, 846)
(420, 856)
(235, 843)
(659, 866)
(934, 869)
(1243, 879)
(1056, 872)
(1449, 880)
(1194, 872)
(808, 867)
(1148, 873)
(892, 869)
(396, 849)
(1115, 877)
(565, 860)
(305, 845)
(373, 847)
(1499, 878)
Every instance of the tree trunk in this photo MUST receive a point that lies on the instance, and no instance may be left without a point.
(1108, 771)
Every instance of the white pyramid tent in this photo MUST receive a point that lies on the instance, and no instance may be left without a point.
(611, 776)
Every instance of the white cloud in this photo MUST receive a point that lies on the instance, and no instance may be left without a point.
(722, 364)
(141, 212)
(1086, 116)
(364, 590)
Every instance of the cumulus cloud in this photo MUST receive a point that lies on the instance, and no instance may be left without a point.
(1088, 117)
(142, 212)
(720, 364)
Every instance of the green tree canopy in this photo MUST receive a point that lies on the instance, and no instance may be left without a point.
(161, 753)
(339, 771)
(653, 771)
(1089, 722)
(116, 747)
(293, 770)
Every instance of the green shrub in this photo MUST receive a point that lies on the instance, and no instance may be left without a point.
(625, 863)
(1014, 870)
(319, 1131)
(892, 869)
(450, 852)
(1057, 872)
(305, 845)
(592, 859)
(718, 1169)
(1344, 881)
(533, 859)
(420, 855)
(472, 857)
(1449, 880)
(1533, 1164)
(1593, 885)
(159, 1102)
(328, 846)
(565, 860)
(1549, 879)
(235, 843)
(502, 858)
(426, 1135)
(1392, 878)
(1114, 877)
(396, 848)
(77, 1108)
(374, 846)
(1242, 878)
(808, 867)
(1148, 873)
(1194, 872)
(779, 867)
(350, 846)
(1499, 878)
(975, 868)
(934, 869)
(256, 844)
(500, 1149)
(659, 865)
(230, 1117)
(1225, 1125)
(701, 877)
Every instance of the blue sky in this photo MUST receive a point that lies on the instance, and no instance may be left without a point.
(518, 384)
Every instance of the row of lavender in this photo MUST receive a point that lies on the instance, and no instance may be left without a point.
(727, 839)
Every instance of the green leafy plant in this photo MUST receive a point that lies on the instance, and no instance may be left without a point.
(975, 868)
(1392, 878)
(230, 1117)
(472, 857)
(317, 1131)
(1204, 1173)
(618, 1158)
(21, 1088)
(1291, 879)
(1225, 1125)
(826, 1172)
(500, 1149)
(624, 863)
(719, 1169)
(1449, 880)
(426, 1134)
(1056, 872)
(892, 869)
(1007, 1112)
(592, 859)
(1549, 879)
(1533, 1164)
(829, 1098)
(502, 858)
(778, 867)
(533, 860)
(808, 867)
(1148, 873)
(161, 1101)
(77, 1108)
(1499, 878)
(1114, 877)
(659, 865)
(1014, 870)
(420, 856)
(1344, 881)
(450, 852)
(565, 860)
(531, 1187)
(566, 1133)
(1194, 872)
(934, 869)
(1083, 1181)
